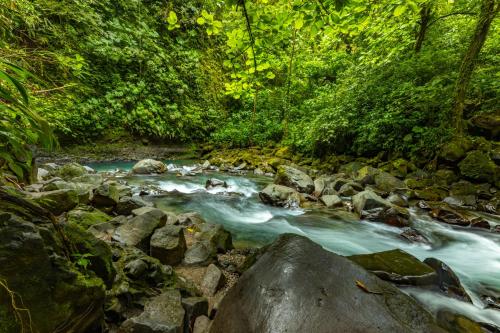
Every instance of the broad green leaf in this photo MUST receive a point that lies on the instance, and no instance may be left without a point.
(399, 10)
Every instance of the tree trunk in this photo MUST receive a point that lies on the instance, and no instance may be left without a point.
(425, 16)
(489, 8)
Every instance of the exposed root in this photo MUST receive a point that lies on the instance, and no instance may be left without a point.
(21, 313)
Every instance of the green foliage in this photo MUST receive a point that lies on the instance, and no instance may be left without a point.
(19, 125)
(324, 77)
(106, 64)
(81, 260)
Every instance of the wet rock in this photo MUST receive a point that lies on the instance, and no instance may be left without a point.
(214, 182)
(396, 266)
(127, 204)
(212, 281)
(168, 245)
(331, 201)
(198, 254)
(201, 325)
(447, 280)
(444, 213)
(194, 308)
(138, 230)
(149, 166)
(478, 166)
(57, 202)
(278, 195)
(372, 207)
(294, 178)
(457, 323)
(162, 314)
(491, 302)
(414, 236)
(296, 276)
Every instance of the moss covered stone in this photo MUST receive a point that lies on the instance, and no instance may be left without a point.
(87, 216)
(70, 170)
(455, 150)
(478, 166)
(397, 266)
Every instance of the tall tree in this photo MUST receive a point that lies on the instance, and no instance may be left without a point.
(489, 9)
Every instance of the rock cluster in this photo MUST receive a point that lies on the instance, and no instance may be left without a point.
(116, 261)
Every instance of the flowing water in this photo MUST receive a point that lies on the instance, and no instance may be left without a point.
(473, 254)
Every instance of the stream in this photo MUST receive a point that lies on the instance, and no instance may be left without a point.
(473, 254)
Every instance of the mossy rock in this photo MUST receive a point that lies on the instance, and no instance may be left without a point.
(431, 193)
(478, 166)
(414, 183)
(70, 170)
(99, 252)
(455, 150)
(445, 177)
(397, 266)
(87, 216)
(57, 293)
(58, 201)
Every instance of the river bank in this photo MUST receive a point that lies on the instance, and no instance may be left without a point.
(199, 212)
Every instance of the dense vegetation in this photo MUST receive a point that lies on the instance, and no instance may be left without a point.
(344, 76)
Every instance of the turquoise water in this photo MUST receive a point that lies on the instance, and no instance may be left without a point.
(473, 254)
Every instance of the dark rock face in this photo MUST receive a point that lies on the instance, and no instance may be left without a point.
(34, 264)
(296, 286)
(214, 182)
(447, 280)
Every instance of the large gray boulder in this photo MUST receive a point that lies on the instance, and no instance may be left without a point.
(279, 195)
(294, 178)
(370, 206)
(162, 314)
(168, 245)
(149, 166)
(297, 286)
(138, 230)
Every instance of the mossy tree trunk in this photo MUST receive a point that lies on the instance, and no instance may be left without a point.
(489, 8)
